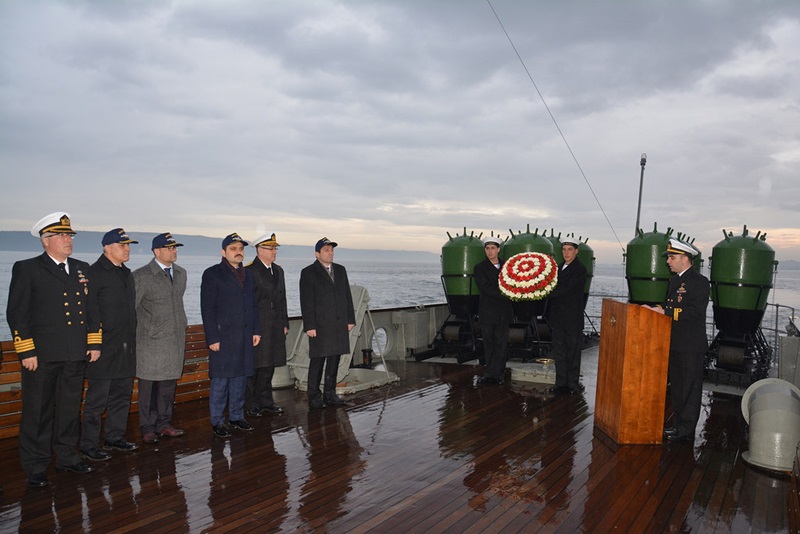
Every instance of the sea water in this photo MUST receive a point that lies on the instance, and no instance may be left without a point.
(390, 284)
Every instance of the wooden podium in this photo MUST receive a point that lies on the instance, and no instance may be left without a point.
(632, 373)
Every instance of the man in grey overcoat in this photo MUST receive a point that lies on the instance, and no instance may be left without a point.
(160, 337)
(270, 285)
(328, 316)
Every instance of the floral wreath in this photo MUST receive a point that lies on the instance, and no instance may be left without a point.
(528, 276)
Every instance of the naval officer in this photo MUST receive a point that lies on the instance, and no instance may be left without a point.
(270, 285)
(686, 304)
(566, 320)
(56, 327)
(494, 313)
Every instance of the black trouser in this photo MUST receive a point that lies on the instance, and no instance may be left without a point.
(686, 389)
(315, 365)
(156, 400)
(567, 346)
(495, 349)
(114, 395)
(259, 389)
(44, 426)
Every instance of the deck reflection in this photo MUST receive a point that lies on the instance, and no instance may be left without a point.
(431, 453)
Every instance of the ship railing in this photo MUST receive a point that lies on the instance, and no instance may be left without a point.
(773, 325)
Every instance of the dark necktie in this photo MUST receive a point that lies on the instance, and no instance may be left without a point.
(330, 271)
(169, 273)
(63, 267)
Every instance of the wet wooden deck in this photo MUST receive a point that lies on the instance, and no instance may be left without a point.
(432, 453)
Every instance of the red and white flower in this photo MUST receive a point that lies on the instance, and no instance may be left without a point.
(528, 276)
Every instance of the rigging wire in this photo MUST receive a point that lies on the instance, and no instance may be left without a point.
(555, 122)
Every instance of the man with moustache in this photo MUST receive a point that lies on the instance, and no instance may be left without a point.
(231, 324)
(160, 337)
(54, 319)
(328, 316)
(111, 377)
(270, 285)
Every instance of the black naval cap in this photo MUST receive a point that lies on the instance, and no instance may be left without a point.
(165, 240)
(117, 235)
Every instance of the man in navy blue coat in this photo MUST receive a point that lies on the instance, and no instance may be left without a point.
(231, 324)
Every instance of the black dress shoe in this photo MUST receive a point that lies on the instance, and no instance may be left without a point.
(333, 400)
(680, 438)
(484, 381)
(316, 404)
(671, 431)
(572, 391)
(272, 408)
(78, 467)
(221, 431)
(120, 445)
(255, 412)
(241, 424)
(38, 480)
(500, 382)
(95, 454)
(558, 390)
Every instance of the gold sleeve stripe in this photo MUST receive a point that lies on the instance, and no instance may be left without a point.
(94, 338)
(23, 345)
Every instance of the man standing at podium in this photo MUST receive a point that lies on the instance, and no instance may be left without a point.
(687, 300)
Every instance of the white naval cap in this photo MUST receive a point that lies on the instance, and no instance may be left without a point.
(55, 223)
(676, 246)
(268, 240)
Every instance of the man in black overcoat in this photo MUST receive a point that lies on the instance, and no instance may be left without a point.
(494, 313)
(328, 316)
(54, 319)
(566, 320)
(270, 283)
(686, 304)
(111, 377)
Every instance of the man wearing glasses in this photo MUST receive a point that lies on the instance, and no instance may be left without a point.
(111, 377)
(270, 284)
(54, 318)
(160, 338)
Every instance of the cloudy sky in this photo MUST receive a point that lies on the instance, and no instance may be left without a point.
(388, 123)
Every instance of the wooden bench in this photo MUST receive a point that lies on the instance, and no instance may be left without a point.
(193, 384)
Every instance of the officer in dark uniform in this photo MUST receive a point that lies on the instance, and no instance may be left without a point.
(270, 283)
(494, 313)
(111, 377)
(55, 323)
(686, 304)
(566, 320)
